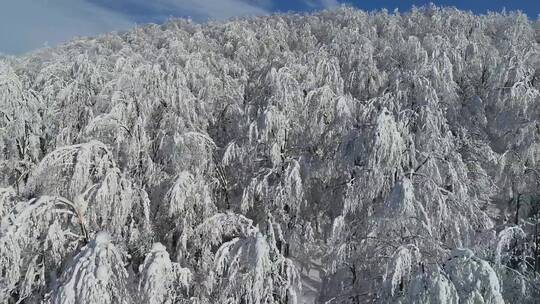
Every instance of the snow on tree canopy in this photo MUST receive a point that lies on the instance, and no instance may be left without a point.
(339, 156)
(432, 288)
(160, 277)
(474, 278)
(400, 268)
(71, 170)
(36, 237)
(255, 272)
(95, 275)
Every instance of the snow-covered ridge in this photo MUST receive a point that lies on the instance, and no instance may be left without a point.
(336, 157)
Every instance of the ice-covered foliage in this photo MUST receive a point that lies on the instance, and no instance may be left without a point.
(400, 269)
(95, 275)
(334, 157)
(474, 278)
(161, 280)
(464, 278)
(431, 288)
(36, 237)
(252, 271)
(119, 207)
(508, 236)
(7, 201)
(71, 170)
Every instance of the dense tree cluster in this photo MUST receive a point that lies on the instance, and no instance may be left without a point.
(337, 157)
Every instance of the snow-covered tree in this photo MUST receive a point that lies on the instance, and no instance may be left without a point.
(95, 275)
(340, 156)
(36, 238)
(161, 280)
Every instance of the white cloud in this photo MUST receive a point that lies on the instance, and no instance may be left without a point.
(329, 3)
(321, 3)
(29, 24)
(217, 9)
(260, 3)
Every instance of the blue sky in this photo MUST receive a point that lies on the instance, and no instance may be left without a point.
(26, 25)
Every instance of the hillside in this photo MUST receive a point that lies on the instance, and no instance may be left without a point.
(336, 157)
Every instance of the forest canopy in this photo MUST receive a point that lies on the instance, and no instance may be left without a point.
(342, 156)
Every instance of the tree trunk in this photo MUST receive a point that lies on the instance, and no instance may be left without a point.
(517, 209)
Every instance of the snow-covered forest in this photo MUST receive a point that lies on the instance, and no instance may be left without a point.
(337, 157)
